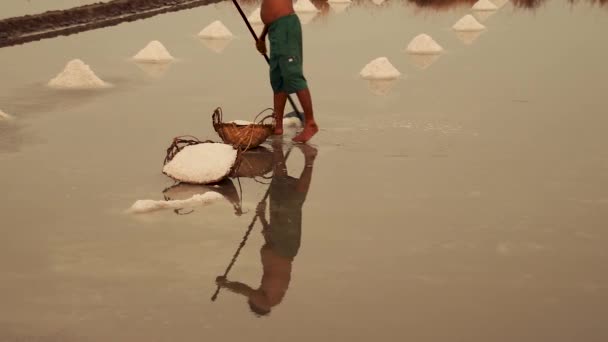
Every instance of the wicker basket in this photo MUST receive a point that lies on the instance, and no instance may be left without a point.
(243, 137)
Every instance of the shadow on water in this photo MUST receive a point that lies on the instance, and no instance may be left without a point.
(281, 228)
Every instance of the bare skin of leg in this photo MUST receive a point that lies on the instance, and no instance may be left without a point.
(310, 127)
(279, 109)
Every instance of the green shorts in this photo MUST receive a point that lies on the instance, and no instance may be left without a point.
(286, 72)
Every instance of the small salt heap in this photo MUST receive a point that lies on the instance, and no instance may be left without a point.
(146, 206)
(202, 163)
(154, 52)
(5, 117)
(468, 23)
(425, 45)
(241, 122)
(484, 5)
(379, 69)
(255, 17)
(305, 6)
(77, 75)
(216, 30)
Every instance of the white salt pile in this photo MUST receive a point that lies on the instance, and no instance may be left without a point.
(484, 5)
(255, 17)
(216, 30)
(146, 206)
(154, 52)
(379, 69)
(305, 6)
(77, 75)
(241, 122)
(5, 117)
(468, 23)
(201, 164)
(424, 44)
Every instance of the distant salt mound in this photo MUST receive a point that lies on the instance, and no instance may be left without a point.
(378, 2)
(379, 69)
(5, 117)
(256, 16)
(201, 164)
(468, 23)
(339, 7)
(484, 5)
(424, 44)
(146, 206)
(77, 75)
(154, 52)
(305, 6)
(216, 30)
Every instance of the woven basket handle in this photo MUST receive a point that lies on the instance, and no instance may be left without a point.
(217, 117)
(270, 116)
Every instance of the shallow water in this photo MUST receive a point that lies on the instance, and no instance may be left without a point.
(466, 201)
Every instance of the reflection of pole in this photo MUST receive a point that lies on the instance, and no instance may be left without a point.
(244, 241)
(255, 36)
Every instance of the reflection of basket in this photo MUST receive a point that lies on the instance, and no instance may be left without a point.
(255, 162)
(243, 137)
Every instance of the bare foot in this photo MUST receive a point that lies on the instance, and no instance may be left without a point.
(310, 129)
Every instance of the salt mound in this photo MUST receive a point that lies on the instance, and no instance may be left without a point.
(484, 5)
(77, 75)
(154, 52)
(146, 206)
(241, 122)
(305, 6)
(216, 30)
(468, 23)
(379, 69)
(424, 44)
(201, 164)
(256, 16)
(378, 2)
(4, 116)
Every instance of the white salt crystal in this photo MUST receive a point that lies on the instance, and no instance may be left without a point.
(216, 30)
(241, 122)
(424, 44)
(146, 206)
(378, 69)
(255, 17)
(202, 163)
(154, 52)
(77, 75)
(305, 6)
(5, 117)
(468, 23)
(484, 5)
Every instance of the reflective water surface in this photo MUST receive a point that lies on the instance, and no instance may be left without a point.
(467, 200)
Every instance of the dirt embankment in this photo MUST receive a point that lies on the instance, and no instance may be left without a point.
(19, 30)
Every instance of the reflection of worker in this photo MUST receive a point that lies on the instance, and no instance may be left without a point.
(282, 234)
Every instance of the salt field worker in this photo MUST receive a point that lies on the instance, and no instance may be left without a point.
(282, 235)
(284, 31)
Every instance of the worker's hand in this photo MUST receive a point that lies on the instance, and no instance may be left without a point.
(260, 44)
(221, 281)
